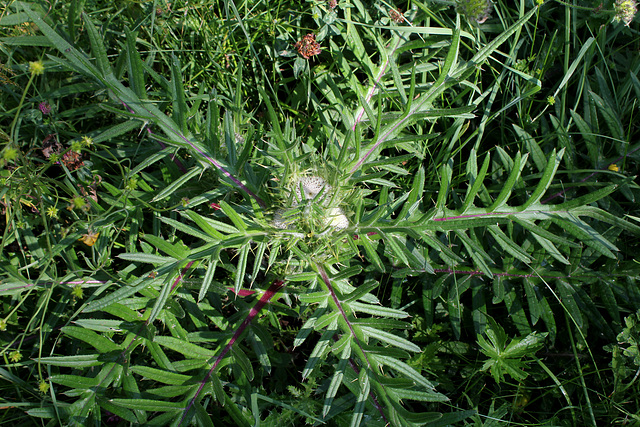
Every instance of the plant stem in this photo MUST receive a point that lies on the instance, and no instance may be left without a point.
(264, 299)
(19, 108)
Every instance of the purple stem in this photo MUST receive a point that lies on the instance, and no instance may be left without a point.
(210, 159)
(373, 88)
(473, 215)
(373, 397)
(176, 161)
(560, 193)
(367, 98)
(353, 365)
(264, 299)
(327, 282)
(179, 278)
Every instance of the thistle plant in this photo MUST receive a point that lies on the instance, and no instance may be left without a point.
(187, 320)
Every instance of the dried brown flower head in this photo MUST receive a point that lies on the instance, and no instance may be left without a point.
(50, 145)
(396, 16)
(72, 160)
(308, 46)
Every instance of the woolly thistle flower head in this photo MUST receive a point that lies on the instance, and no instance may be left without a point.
(308, 188)
(336, 219)
(625, 11)
(312, 206)
(475, 10)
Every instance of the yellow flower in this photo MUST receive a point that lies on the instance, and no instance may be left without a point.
(613, 167)
(3, 325)
(551, 100)
(77, 203)
(36, 68)
(76, 146)
(87, 141)
(15, 356)
(132, 184)
(52, 212)
(10, 154)
(88, 239)
(43, 386)
(77, 289)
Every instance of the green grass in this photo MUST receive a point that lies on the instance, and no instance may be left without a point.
(429, 220)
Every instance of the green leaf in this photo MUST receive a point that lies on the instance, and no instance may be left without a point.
(445, 185)
(161, 300)
(417, 188)
(233, 216)
(508, 245)
(184, 228)
(161, 376)
(477, 253)
(74, 381)
(97, 47)
(378, 310)
(14, 19)
(185, 348)
(177, 251)
(146, 258)
(545, 180)
(586, 234)
(180, 109)
(148, 405)
(77, 362)
(611, 117)
(518, 164)
(533, 147)
(476, 180)
(135, 70)
(177, 183)
(363, 395)
(100, 325)
(336, 380)
(99, 342)
(210, 226)
(569, 299)
(40, 41)
(115, 130)
(372, 254)
(389, 338)
(321, 348)
(259, 342)
(422, 396)
(403, 369)
(241, 267)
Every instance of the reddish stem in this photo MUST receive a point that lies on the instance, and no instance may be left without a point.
(264, 299)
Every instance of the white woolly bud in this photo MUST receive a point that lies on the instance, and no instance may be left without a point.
(336, 218)
(279, 221)
(311, 187)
